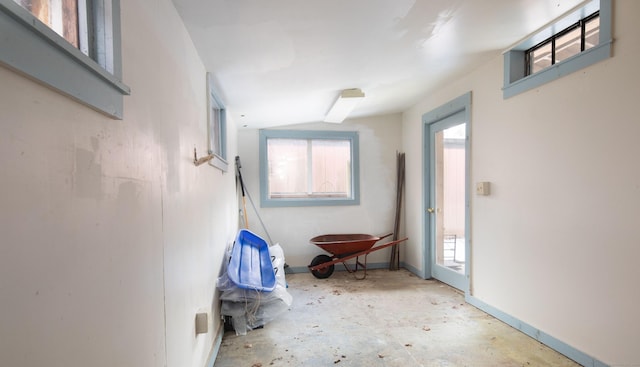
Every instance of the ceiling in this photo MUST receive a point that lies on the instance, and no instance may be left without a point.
(280, 62)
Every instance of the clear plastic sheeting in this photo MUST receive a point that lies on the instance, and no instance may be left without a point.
(251, 309)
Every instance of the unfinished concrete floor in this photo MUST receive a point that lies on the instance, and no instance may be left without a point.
(392, 318)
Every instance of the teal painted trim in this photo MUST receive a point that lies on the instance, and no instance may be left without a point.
(514, 68)
(544, 338)
(450, 108)
(415, 271)
(219, 161)
(304, 269)
(267, 202)
(116, 33)
(606, 21)
(515, 82)
(33, 49)
(297, 270)
(216, 347)
(557, 71)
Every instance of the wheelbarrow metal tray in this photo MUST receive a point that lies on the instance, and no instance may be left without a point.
(250, 265)
(344, 244)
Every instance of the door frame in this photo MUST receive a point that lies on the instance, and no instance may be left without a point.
(457, 105)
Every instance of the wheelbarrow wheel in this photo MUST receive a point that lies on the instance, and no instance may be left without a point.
(324, 272)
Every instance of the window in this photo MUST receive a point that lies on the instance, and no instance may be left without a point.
(579, 39)
(72, 46)
(307, 168)
(217, 115)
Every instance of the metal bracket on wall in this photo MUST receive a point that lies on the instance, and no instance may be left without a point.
(198, 161)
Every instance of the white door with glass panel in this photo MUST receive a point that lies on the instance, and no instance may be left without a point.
(446, 207)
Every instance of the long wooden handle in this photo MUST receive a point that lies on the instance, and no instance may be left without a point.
(385, 236)
(244, 212)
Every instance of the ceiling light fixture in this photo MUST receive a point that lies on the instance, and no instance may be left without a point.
(347, 101)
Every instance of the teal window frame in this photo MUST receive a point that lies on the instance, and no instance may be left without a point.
(266, 201)
(517, 81)
(217, 126)
(31, 48)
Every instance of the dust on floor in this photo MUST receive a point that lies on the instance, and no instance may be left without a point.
(392, 318)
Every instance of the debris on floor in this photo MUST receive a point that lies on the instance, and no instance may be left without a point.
(274, 360)
(403, 328)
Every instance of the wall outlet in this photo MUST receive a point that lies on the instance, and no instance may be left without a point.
(202, 323)
(483, 188)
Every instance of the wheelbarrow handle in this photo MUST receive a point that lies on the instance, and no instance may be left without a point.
(385, 236)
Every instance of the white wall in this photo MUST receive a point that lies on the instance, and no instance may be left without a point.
(557, 242)
(111, 238)
(292, 227)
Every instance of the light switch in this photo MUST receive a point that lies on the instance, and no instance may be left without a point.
(483, 188)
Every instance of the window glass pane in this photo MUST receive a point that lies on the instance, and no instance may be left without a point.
(540, 58)
(216, 147)
(308, 168)
(331, 166)
(568, 44)
(592, 33)
(287, 163)
(59, 15)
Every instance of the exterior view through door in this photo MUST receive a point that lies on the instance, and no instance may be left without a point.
(446, 157)
(449, 197)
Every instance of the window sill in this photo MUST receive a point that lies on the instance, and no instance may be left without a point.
(281, 203)
(219, 163)
(573, 64)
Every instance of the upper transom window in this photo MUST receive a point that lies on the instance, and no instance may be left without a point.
(576, 38)
(579, 39)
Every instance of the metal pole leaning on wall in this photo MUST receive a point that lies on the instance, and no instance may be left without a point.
(394, 262)
(244, 200)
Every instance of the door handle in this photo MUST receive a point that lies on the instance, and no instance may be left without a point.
(431, 210)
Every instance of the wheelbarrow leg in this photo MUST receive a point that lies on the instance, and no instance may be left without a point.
(358, 264)
(363, 266)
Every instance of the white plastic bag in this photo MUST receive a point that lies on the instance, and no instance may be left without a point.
(250, 309)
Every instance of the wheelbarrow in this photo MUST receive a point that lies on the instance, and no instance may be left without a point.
(343, 247)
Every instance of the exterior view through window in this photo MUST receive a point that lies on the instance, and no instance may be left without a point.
(59, 15)
(309, 168)
(573, 40)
